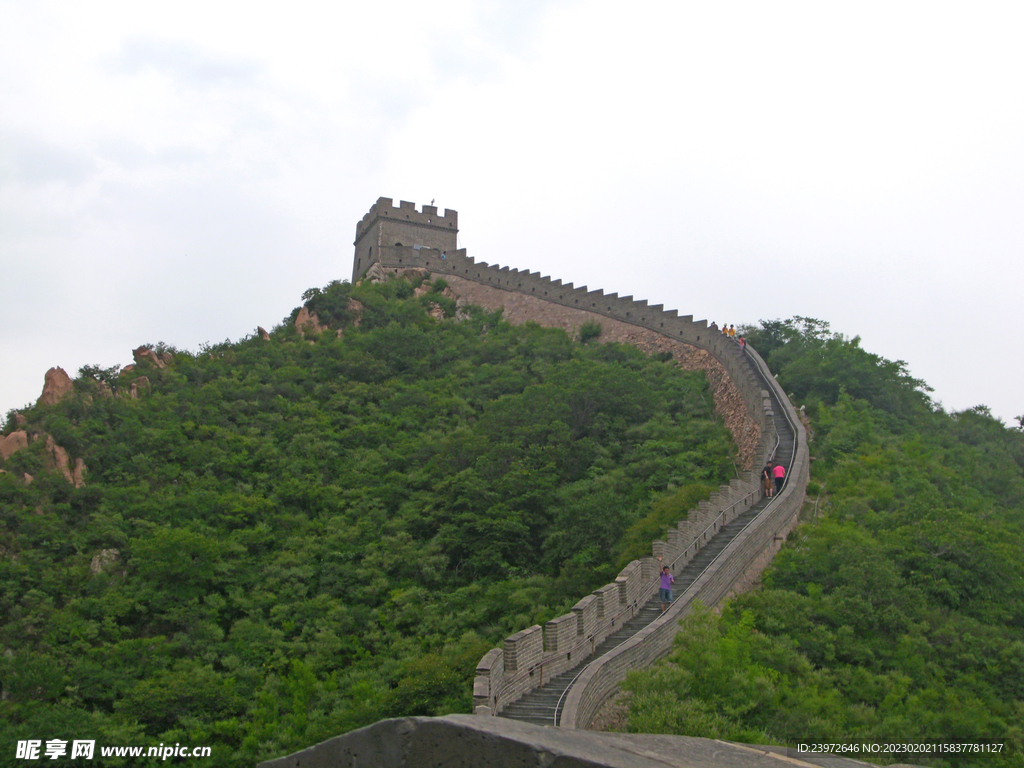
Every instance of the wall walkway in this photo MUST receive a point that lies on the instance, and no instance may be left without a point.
(762, 418)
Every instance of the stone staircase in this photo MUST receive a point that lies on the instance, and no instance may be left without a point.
(541, 706)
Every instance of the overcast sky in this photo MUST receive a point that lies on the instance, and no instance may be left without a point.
(182, 172)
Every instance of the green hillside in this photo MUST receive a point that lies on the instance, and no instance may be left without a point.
(896, 613)
(281, 540)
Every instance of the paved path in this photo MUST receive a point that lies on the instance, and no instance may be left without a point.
(542, 706)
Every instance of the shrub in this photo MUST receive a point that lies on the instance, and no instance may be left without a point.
(589, 331)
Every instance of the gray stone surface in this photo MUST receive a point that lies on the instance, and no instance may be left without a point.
(465, 741)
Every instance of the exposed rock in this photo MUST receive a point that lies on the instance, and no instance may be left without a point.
(28, 478)
(20, 420)
(78, 475)
(308, 322)
(127, 369)
(166, 357)
(60, 459)
(104, 560)
(57, 386)
(140, 384)
(435, 310)
(145, 354)
(356, 309)
(376, 273)
(262, 332)
(103, 390)
(12, 443)
(414, 273)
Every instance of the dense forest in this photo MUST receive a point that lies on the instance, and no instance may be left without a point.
(285, 538)
(896, 612)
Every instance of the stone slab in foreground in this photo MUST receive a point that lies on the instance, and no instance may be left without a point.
(465, 741)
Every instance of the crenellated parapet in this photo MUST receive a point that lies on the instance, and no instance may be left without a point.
(405, 212)
(386, 225)
(531, 657)
(622, 308)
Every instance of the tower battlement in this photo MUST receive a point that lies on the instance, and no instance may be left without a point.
(388, 226)
(405, 212)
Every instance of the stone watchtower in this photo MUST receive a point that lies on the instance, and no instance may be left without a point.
(386, 226)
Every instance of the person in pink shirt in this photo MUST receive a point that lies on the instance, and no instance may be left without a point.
(779, 473)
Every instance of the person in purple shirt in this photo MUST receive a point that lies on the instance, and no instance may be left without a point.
(667, 580)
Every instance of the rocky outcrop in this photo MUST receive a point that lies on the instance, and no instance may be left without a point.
(60, 459)
(355, 308)
(57, 386)
(62, 463)
(376, 273)
(78, 473)
(308, 322)
(56, 456)
(104, 561)
(262, 333)
(140, 384)
(12, 443)
(147, 355)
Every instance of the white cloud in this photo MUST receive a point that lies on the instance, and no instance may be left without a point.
(182, 173)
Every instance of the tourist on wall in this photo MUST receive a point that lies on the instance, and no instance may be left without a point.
(779, 473)
(665, 590)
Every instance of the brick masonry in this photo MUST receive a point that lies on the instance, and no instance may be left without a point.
(531, 657)
(519, 308)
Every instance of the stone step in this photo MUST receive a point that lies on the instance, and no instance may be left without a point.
(545, 700)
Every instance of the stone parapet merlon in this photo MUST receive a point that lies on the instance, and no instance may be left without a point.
(533, 656)
(427, 216)
(746, 552)
(624, 309)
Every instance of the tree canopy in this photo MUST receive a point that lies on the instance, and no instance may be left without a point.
(282, 540)
(896, 611)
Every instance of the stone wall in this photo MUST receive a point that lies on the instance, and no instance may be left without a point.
(528, 297)
(462, 741)
(533, 656)
(734, 569)
(522, 308)
(386, 225)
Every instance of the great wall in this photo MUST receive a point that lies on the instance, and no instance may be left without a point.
(396, 239)
(562, 673)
